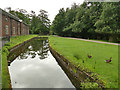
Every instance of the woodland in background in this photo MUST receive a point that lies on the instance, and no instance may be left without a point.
(91, 20)
(39, 24)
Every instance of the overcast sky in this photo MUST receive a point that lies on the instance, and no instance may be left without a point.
(52, 6)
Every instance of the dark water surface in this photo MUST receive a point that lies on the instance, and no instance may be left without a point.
(35, 67)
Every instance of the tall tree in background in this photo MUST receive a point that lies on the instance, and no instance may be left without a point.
(96, 20)
(109, 20)
(44, 22)
(21, 14)
(59, 22)
(70, 18)
(39, 24)
(34, 23)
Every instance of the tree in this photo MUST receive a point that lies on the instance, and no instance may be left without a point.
(108, 22)
(39, 24)
(59, 23)
(89, 20)
(21, 14)
(44, 22)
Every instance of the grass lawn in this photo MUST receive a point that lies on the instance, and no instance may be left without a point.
(76, 51)
(13, 42)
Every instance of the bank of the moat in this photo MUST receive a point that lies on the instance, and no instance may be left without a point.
(14, 41)
(22, 53)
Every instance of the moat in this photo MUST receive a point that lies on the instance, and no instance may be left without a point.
(33, 66)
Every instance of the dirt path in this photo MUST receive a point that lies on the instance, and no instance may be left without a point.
(92, 40)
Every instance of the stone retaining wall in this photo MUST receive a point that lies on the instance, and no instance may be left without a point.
(71, 70)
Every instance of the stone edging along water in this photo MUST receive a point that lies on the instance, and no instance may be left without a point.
(12, 49)
(75, 74)
(21, 44)
(78, 76)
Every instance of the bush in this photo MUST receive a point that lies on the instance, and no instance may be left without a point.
(5, 50)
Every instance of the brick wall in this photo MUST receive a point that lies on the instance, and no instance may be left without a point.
(14, 27)
(18, 24)
(11, 26)
(22, 30)
(6, 28)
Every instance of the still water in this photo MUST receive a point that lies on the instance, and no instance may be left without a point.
(35, 67)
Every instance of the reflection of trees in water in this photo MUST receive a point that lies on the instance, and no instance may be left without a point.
(43, 51)
(16, 52)
(36, 48)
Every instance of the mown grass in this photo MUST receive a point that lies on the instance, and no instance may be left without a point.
(77, 52)
(5, 51)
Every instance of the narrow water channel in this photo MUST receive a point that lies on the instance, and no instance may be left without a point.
(33, 66)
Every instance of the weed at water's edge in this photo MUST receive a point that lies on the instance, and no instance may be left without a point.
(89, 85)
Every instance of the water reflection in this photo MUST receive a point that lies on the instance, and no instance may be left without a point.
(36, 47)
(35, 67)
(33, 48)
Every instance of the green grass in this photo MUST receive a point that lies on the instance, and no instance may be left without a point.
(5, 51)
(76, 52)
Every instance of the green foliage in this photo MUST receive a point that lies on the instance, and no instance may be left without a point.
(88, 20)
(108, 19)
(99, 24)
(89, 85)
(5, 51)
(39, 24)
(5, 73)
(59, 23)
(107, 29)
(21, 14)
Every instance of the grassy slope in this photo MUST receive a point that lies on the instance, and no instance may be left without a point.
(76, 51)
(13, 42)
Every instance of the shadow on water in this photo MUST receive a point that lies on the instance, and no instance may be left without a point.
(33, 66)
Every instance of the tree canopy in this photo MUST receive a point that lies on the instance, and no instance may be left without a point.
(88, 20)
(95, 20)
(39, 24)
